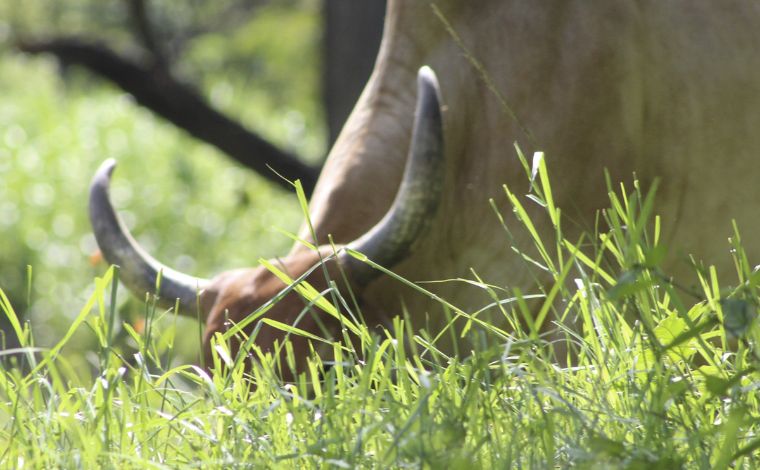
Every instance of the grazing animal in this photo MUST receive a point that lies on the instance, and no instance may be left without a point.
(666, 89)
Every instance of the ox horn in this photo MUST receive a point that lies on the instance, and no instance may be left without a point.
(138, 270)
(418, 197)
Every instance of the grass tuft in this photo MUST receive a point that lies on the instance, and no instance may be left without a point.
(613, 365)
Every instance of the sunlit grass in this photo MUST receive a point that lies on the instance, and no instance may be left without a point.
(656, 376)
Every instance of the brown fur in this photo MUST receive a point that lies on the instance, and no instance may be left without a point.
(234, 295)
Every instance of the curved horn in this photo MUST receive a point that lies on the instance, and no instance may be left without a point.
(391, 240)
(139, 270)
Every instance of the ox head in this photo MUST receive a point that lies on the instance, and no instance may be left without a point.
(232, 296)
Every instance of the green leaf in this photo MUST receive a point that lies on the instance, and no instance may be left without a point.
(738, 316)
(293, 330)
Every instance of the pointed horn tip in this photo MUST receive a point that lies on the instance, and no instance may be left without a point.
(104, 172)
(426, 78)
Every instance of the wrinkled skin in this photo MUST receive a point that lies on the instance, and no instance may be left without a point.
(667, 89)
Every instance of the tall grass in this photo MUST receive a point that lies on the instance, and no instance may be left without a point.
(636, 372)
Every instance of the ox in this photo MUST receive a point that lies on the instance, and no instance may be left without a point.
(665, 89)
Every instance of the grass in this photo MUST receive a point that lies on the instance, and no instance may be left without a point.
(658, 376)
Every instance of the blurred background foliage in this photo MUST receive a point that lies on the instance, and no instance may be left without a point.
(190, 206)
(267, 50)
